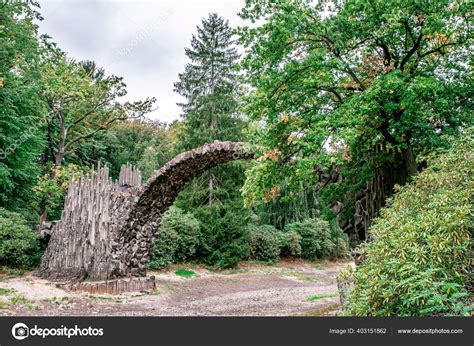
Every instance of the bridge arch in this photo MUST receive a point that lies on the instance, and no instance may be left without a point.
(136, 237)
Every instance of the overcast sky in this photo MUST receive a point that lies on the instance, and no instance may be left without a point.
(142, 41)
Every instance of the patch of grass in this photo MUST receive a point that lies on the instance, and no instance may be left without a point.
(19, 300)
(258, 263)
(9, 273)
(33, 307)
(185, 273)
(302, 276)
(61, 301)
(321, 296)
(6, 291)
(3, 305)
(323, 263)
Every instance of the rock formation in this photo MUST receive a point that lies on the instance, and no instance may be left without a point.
(107, 229)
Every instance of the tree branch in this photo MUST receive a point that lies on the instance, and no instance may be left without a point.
(437, 50)
(386, 51)
(412, 51)
(90, 134)
(85, 115)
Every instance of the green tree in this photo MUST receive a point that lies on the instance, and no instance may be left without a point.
(21, 108)
(51, 189)
(209, 85)
(211, 90)
(83, 103)
(286, 207)
(332, 80)
(144, 143)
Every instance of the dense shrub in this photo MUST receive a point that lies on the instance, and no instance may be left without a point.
(188, 229)
(340, 241)
(177, 239)
(228, 254)
(264, 243)
(315, 237)
(224, 236)
(290, 243)
(163, 252)
(19, 245)
(418, 261)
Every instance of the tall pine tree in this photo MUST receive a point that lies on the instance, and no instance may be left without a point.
(210, 87)
(209, 84)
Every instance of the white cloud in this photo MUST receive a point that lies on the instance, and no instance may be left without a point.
(142, 41)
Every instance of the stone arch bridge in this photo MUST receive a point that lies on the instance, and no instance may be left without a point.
(107, 228)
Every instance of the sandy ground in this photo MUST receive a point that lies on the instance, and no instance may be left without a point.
(288, 288)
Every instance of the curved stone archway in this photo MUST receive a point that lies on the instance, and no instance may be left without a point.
(137, 235)
(107, 229)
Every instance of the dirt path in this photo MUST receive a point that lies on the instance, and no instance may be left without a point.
(287, 288)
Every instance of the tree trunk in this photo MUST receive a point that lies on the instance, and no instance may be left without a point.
(409, 160)
(43, 211)
(61, 147)
(58, 159)
(211, 188)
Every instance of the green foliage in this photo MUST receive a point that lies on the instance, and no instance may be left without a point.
(320, 296)
(264, 243)
(187, 227)
(6, 291)
(52, 110)
(19, 300)
(309, 238)
(289, 207)
(19, 245)
(314, 233)
(21, 108)
(163, 253)
(224, 235)
(146, 144)
(333, 79)
(290, 243)
(419, 260)
(220, 211)
(51, 189)
(177, 239)
(83, 104)
(339, 239)
(185, 273)
(210, 85)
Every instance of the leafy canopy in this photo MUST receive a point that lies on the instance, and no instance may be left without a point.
(21, 108)
(349, 75)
